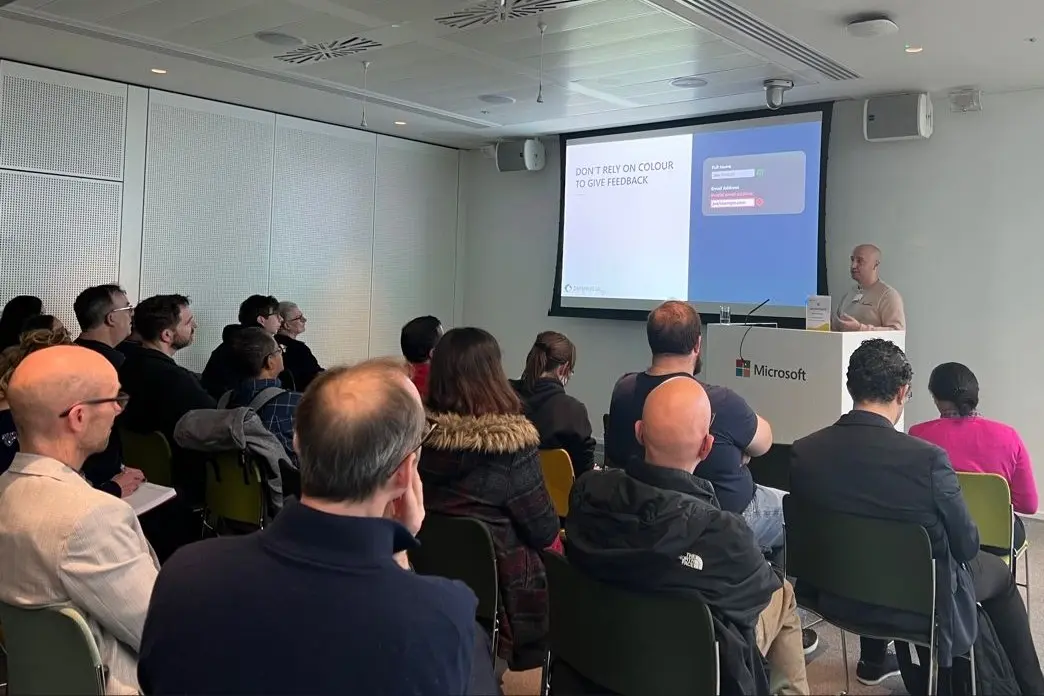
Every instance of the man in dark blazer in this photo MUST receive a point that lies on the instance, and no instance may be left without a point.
(863, 466)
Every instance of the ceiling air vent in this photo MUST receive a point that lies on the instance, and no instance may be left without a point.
(319, 52)
(749, 25)
(493, 11)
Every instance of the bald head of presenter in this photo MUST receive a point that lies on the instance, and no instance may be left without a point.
(872, 305)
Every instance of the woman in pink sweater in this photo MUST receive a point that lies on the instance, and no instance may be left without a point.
(978, 444)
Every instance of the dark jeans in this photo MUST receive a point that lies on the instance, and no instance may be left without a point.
(995, 590)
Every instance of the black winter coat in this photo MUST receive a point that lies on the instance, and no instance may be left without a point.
(658, 530)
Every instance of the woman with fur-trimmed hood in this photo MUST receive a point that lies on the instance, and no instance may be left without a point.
(482, 462)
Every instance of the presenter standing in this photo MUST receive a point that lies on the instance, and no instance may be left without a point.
(872, 305)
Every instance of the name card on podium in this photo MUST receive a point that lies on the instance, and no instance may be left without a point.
(817, 313)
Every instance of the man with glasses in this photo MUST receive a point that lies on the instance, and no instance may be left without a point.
(104, 314)
(298, 358)
(221, 373)
(322, 601)
(63, 541)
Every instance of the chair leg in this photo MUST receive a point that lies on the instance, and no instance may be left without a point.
(496, 637)
(933, 672)
(545, 675)
(974, 684)
(844, 659)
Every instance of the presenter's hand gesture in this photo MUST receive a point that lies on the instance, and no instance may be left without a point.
(847, 323)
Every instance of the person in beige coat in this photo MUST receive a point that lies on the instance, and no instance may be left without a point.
(63, 541)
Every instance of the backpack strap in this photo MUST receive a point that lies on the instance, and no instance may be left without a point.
(266, 395)
(225, 398)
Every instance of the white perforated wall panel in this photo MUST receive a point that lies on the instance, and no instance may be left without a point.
(415, 238)
(59, 235)
(59, 123)
(322, 233)
(206, 225)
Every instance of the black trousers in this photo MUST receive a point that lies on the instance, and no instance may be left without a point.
(995, 590)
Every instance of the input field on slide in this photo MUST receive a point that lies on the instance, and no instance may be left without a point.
(734, 174)
(732, 203)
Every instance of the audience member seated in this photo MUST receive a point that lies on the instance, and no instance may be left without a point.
(976, 444)
(299, 360)
(226, 618)
(73, 544)
(482, 462)
(44, 322)
(560, 419)
(739, 433)
(656, 527)
(104, 314)
(220, 373)
(16, 312)
(261, 359)
(863, 466)
(161, 390)
(29, 342)
(417, 340)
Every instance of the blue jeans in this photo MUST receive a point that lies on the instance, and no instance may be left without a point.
(764, 516)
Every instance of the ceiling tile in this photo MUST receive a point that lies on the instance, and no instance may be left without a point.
(623, 72)
(165, 15)
(260, 16)
(93, 10)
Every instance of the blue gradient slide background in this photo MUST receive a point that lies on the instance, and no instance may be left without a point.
(748, 258)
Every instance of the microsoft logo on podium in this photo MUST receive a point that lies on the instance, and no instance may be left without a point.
(744, 368)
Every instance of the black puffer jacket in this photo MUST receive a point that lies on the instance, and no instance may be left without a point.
(653, 529)
(561, 421)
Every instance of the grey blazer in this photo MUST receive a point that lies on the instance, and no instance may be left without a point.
(64, 542)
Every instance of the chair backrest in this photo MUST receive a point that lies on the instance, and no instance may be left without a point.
(558, 478)
(149, 452)
(50, 650)
(629, 643)
(235, 490)
(988, 498)
(460, 548)
(880, 562)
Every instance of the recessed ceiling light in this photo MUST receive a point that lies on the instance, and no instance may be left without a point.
(690, 82)
(278, 38)
(400, 123)
(914, 49)
(159, 71)
(496, 99)
(870, 26)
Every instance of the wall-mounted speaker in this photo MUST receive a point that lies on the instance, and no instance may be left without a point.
(897, 117)
(520, 156)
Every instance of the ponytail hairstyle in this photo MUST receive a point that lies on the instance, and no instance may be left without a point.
(550, 351)
(956, 384)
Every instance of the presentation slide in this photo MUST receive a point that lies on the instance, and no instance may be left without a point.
(717, 214)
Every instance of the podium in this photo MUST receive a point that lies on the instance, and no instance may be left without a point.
(793, 378)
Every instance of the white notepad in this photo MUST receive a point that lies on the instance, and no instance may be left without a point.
(148, 496)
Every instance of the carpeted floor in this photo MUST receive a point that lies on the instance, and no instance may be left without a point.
(826, 670)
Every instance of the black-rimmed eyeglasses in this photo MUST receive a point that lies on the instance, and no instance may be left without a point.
(120, 400)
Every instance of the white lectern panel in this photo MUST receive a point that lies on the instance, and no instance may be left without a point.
(793, 378)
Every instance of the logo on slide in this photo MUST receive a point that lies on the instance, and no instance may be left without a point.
(742, 367)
